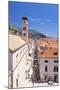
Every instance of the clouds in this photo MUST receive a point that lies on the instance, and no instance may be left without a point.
(34, 19)
(41, 21)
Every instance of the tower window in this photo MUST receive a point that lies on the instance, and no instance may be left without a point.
(24, 28)
(24, 21)
(24, 34)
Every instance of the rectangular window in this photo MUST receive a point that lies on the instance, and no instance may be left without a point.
(55, 61)
(55, 68)
(17, 55)
(56, 78)
(46, 61)
(46, 68)
(17, 82)
(17, 58)
(45, 77)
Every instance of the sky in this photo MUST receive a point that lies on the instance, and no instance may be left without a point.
(41, 17)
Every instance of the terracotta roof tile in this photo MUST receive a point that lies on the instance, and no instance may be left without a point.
(51, 52)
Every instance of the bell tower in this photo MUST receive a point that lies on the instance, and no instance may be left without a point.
(25, 27)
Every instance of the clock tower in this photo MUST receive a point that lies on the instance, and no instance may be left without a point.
(25, 27)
